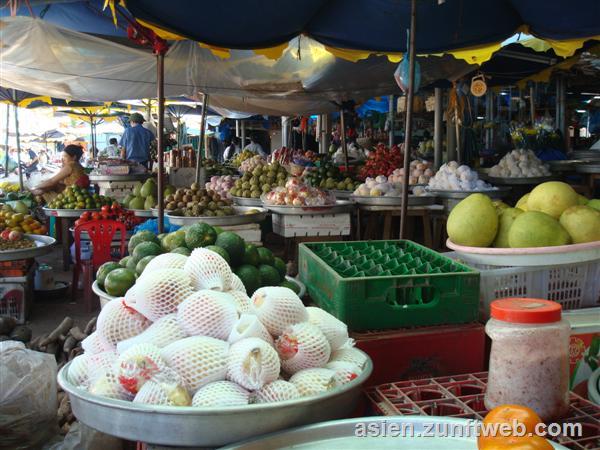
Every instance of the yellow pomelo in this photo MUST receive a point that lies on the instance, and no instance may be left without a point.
(522, 203)
(582, 223)
(537, 229)
(505, 221)
(500, 206)
(473, 222)
(582, 200)
(594, 203)
(552, 198)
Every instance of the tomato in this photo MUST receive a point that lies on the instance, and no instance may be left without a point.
(95, 216)
(79, 222)
(105, 209)
(515, 443)
(85, 216)
(104, 215)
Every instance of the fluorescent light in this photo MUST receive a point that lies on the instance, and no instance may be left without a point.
(480, 117)
(581, 111)
(590, 93)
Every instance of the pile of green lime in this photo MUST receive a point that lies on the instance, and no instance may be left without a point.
(255, 266)
(74, 197)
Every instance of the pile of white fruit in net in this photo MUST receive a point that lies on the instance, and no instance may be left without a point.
(187, 334)
(520, 163)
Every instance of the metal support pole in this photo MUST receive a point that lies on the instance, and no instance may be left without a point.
(437, 129)
(532, 104)
(205, 100)
(343, 137)
(237, 128)
(326, 132)
(6, 156)
(391, 117)
(560, 105)
(409, 113)
(489, 117)
(285, 130)
(243, 127)
(18, 139)
(160, 94)
(450, 139)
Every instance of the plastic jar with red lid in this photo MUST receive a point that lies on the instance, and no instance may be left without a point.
(529, 359)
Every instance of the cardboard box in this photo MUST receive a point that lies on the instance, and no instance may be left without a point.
(312, 225)
(584, 347)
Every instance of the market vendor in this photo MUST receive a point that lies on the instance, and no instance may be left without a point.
(136, 140)
(70, 173)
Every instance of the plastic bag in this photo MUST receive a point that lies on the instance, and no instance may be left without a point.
(81, 436)
(28, 402)
(401, 75)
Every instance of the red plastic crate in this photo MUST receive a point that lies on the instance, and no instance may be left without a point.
(423, 352)
(462, 396)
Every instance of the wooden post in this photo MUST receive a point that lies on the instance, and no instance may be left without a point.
(343, 137)
(201, 136)
(160, 94)
(409, 113)
(437, 129)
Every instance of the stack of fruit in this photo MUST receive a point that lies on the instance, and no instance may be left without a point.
(241, 157)
(455, 177)
(381, 161)
(113, 212)
(18, 219)
(194, 202)
(420, 172)
(14, 240)
(295, 193)
(255, 266)
(520, 163)
(221, 185)
(248, 165)
(329, 176)
(180, 338)
(214, 168)
(260, 181)
(551, 214)
(7, 186)
(74, 197)
(145, 195)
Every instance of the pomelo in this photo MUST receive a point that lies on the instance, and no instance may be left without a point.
(500, 206)
(220, 251)
(505, 221)
(522, 203)
(145, 249)
(265, 256)
(582, 199)
(536, 229)
(582, 223)
(173, 240)
(118, 282)
(473, 222)
(594, 203)
(552, 198)
(269, 275)
(182, 251)
(104, 270)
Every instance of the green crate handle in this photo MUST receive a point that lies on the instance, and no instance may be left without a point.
(416, 298)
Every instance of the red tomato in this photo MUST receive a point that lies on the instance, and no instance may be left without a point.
(95, 216)
(79, 222)
(104, 215)
(85, 216)
(105, 209)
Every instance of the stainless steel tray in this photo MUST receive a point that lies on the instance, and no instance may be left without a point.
(244, 201)
(566, 165)
(493, 193)
(518, 180)
(339, 207)
(238, 219)
(586, 154)
(43, 246)
(128, 177)
(207, 427)
(66, 212)
(593, 167)
(154, 212)
(408, 433)
(142, 212)
(342, 195)
(413, 200)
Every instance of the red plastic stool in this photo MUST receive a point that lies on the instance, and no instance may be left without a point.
(101, 233)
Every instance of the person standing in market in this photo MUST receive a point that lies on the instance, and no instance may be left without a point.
(136, 140)
(232, 149)
(111, 150)
(255, 147)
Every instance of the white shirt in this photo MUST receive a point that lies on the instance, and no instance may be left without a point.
(256, 148)
(112, 151)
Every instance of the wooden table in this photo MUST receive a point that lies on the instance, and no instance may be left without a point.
(426, 213)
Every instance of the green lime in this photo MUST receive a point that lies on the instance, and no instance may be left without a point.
(269, 276)
(118, 282)
(104, 270)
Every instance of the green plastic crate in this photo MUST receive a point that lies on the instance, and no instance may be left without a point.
(374, 285)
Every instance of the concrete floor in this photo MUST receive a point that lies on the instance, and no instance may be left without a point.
(46, 314)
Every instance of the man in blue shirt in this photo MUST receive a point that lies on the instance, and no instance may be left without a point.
(136, 140)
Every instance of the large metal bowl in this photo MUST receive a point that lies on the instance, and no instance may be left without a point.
(413, 200)
(241, 218)
(141, 212)
(244, 201)
(207, 427)
(340, 206)
(67, 212)
(43, 246)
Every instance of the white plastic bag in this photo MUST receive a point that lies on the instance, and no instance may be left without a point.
(28, 402)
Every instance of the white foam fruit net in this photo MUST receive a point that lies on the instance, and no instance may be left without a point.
(161, 333)
(242, 302)
(166, 388)
(221, 393)
(334, 329)
(159, 295)
(236, 284)
(208, 270)
(207, 313)
(344, 371)
(89, 365)
(277, 308)
(248, 326)
(117, 322)
(198, 359)
(138, 364)
(351, 355)
(106, 384)
(95, 344)
(276, 391)
(302, 346)
(252, 363)
(165, 261)
(313, 381)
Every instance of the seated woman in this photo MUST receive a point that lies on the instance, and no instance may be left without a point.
(71, 172)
